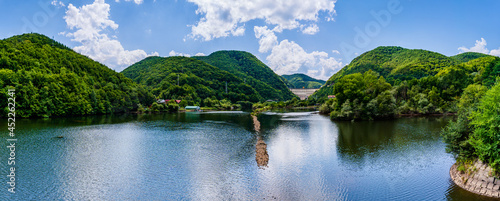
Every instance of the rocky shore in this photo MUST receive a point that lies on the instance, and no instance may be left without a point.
(477, 179)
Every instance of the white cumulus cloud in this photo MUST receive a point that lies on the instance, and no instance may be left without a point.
(311, 30)
(480, 47)
(288, 57)
(495, 52)
(267, 38)
(135, 1)
(58, 4)
(91, 23)
(174, 53)
(222, 18)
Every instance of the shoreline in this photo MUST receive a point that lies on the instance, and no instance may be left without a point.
(211, 110)
(427, 115)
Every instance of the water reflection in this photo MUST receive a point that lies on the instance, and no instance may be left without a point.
(297, 144)
(213, 156)
(93, 167)
(357, 139)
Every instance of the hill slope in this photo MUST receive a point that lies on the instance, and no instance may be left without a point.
(52, 80)
(250, 69)
(287, 83)
(394, 63)
(303, 81)
(397, 63)
(468, 56)
(188, 78)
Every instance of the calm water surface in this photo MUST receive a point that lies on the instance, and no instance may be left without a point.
(212, 156)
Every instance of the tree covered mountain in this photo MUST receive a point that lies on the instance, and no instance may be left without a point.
(190, 79)
(252, 71)
(303, 81)
(50, 79)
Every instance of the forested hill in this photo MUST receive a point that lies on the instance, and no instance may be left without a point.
(189, 79)
(468, 56)
(50, 79)
(252, 71)
(398, 64)
(303, 81)
(372, 86)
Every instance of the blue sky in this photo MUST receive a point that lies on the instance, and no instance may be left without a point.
(315, 37)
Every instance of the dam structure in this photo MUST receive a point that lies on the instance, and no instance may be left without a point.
(303, 93)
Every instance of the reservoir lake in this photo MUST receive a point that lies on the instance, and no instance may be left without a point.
(223, 156)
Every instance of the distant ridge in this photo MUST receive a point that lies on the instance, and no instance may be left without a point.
(299, 80)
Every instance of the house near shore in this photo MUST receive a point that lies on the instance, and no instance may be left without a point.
(166, 101)
(177, 101)
(195, 108)
(331, 96)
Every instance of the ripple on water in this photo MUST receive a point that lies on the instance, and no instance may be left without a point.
(212, 156)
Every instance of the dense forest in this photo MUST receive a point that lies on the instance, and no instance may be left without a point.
(397, 64)
(50, 79)
(189, 79)
(252, 71)
(357, 94)
(303, 81)
(475, 134)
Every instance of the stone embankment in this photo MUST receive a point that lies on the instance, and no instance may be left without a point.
(261, 155)
(478, 179)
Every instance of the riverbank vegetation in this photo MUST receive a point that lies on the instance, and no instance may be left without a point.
(361, 96)
(286, 105)
(476, 132)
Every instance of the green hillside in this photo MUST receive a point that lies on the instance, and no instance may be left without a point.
(52, 80)
(288, 84)
(190, 79)
(398, 64)
(303, 81)
(467, 56)
(252, 71)
(372, 86)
